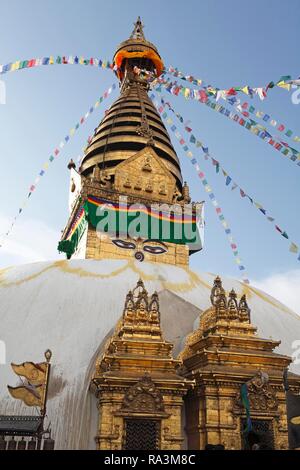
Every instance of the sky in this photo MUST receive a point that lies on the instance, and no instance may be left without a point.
(226, 44)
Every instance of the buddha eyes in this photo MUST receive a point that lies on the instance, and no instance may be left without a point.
(153, 249)
(124, 244)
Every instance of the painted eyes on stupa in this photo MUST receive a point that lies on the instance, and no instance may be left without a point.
(124, 244)
(157, 249)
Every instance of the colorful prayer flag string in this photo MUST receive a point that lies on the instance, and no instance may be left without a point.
(52, 60)
(246, 109)
(208, 189)
(286, 82)
(53, 156)
(252, 126)
(229, 181)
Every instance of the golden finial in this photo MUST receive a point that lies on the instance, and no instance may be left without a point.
(48, 355)
(138, 32)
(216, 291)
(244, 310)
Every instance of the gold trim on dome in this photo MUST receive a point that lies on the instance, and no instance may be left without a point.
(194, 279)
(64, 266)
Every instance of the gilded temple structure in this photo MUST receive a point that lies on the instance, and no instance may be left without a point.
(147, 354)
(129, 161)
(137, 383)
(221, 355)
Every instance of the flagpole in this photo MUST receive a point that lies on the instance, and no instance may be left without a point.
(48, 355)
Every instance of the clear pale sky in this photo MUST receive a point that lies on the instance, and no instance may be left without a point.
(226, 44)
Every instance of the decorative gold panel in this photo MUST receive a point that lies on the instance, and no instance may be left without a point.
(145, 174)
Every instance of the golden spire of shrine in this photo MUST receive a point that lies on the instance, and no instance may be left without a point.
(132, 123)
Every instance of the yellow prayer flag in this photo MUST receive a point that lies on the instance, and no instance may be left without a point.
(286, 86)
(34, 373)
(212, 90)
(51, 60)
(245, 89)
(30, 396)
(186, 92)
(293, 248)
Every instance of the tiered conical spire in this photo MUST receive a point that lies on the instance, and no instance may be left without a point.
(132, 122)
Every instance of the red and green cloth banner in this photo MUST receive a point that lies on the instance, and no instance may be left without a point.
(137, 220)
(70, 243)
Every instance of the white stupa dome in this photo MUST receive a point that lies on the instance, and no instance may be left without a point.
(72, 307)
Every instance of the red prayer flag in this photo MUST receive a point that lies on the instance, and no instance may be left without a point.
(203, 97)
(231, 92)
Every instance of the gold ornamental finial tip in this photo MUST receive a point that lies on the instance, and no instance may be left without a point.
(48, 355)
(138, 32)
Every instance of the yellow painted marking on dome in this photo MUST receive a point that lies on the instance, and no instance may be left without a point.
(2, 272)
(275, 304)
(84, 273)
(4, 283)
(246, 290)
(65, 266)
(194, 279)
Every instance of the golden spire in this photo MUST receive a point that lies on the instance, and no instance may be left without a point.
(132, 123)
(138, 32)
(141, 315)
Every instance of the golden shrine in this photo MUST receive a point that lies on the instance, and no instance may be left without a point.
(140, 393)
